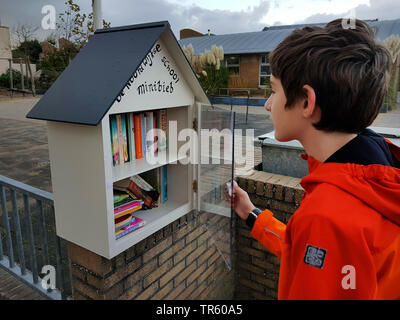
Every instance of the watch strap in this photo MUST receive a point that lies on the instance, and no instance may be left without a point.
(251, 219)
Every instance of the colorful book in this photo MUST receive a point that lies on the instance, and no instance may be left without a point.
(138, 223)
(164, 189)
(149, 134)
(122, 186)
(162, 142)
(111, 140)
(124, 202)
(138, 136)
(127, 206)
(114, 139)
(120, 139)
(119, 196)
(142, 183)
(155, 126)
(131, 137)
(150, 181)
(141, 194)
(123, 221)
(122, 199)
(127, 211)
(125, 137)
(143, 124)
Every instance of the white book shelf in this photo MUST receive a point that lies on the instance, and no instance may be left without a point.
(139, 166)
(78, 123)
(83, 185)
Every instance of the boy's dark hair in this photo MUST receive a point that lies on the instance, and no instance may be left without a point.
(347, 69)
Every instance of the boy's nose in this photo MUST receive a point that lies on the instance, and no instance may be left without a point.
(268, 103)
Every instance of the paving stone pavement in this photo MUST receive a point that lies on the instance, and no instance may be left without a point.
(12, 288)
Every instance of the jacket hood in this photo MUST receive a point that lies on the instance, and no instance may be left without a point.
(377, 186)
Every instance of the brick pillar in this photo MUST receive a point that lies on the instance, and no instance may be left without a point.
(257, 269)
(92, 275)
(177, 262)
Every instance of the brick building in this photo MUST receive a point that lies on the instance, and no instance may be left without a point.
(246, 54)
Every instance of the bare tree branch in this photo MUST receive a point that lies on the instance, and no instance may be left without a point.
(24, 32)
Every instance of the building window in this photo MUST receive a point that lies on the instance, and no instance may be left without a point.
(233, 64)
(265, 71)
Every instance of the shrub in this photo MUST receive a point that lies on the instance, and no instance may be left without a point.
(208, 68)
(5, 79)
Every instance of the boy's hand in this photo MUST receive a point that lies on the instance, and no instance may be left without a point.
(241, 202)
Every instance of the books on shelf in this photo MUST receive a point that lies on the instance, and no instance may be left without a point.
(114, 139)
(124, 206)
(164, 193)
(149, 139)
(144, 191)
(127, 208)
(133, 135)
(144, 130)
(149, 201)
(124, 137)
(120, 139)
(136, 224)
(163, 125)
(138, 136)
(123, 221)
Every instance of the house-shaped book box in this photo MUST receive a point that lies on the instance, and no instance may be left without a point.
(124, 80)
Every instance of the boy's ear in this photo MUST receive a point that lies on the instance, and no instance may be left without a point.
(309, 101)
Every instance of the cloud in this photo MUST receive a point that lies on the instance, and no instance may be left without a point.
(378, 9)
(127, 12)
(184, 16)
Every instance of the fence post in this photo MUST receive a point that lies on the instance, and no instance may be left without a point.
(18, 234)
(11, 74)
(7, 226)
(31, 240)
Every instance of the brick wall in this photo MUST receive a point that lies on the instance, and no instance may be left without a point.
(181, 261)
(257, 270)
(178, 262)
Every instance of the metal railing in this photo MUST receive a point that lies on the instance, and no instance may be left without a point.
(28, 229)
(235, 92)
(27, 71)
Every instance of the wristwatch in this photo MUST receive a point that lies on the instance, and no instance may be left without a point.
(251, 219)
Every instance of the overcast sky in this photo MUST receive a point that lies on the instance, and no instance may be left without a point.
(220, 16)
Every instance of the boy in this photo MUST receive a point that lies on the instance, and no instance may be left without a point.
(344, 240)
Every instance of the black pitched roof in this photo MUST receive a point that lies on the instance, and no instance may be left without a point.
(87, 88)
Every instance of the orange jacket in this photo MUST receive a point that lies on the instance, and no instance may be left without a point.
(344, 240)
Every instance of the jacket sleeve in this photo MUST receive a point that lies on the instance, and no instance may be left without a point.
(270, 232)
(326, 260)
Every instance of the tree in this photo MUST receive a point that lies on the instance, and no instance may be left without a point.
(76, 26)
(24, 32)
(29, 48)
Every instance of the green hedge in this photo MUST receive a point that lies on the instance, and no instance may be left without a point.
(5, 79)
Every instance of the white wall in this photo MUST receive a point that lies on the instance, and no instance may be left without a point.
(5, 43)
(5, 48)
(5, 53)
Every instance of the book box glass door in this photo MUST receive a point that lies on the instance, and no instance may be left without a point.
(215, 172)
